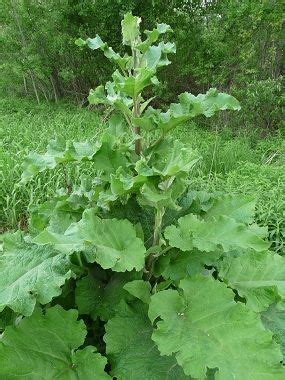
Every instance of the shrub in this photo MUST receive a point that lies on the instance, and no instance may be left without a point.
(177, 298)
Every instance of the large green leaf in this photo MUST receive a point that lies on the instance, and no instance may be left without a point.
(133, 85)
(98, 298)
(189, 106)
(274, 319)
(112, 243)
(258, 277)
(58, 152)
(57, 213)
(163, 195)
(204, 327)
(139, 289)
(176, 265)
(110, 156)
(46, 347)
(240, 208)
(112, 97)
(173, 157)
(211, 234)
(125, 182)
(130, 29)
(116, 243)
(29, 273)
(131, 352)
(98, 96)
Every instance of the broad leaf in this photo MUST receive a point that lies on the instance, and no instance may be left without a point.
(204, 327)
(189, 106)
(152, 36)
(162, 197)
(62, 242)
(113, 243)
(274, 319)
(213, 233)
(124, 182)
(110, 97)
(99, 298)
(139, 289)
(58, 152)
(46, 347)
(30, 274)
(156, 56)
(133, 85)
(97, 43)
(130, 350)
(176, 264)
(258, 277)
(98, 96)
(240, 208)
(172, 158)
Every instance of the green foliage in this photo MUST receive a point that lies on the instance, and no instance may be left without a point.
(131, 350)
(236, 46)
(29, 274)
(155, 296)
(264, 182)
(259, 278)
(209, 334)
(46, 347)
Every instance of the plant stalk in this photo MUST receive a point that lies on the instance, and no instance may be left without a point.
(136, 107)
(156, 240)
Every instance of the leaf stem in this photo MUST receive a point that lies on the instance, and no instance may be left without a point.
(79, 259)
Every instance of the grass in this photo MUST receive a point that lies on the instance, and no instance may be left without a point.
(237, 164)
(26, 126)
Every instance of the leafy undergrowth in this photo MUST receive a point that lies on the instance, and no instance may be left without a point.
(26, 126)
(266, 183)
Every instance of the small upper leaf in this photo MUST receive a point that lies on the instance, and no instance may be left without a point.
(189, 106)
(152, 36)
(58, 151)
(130, 29)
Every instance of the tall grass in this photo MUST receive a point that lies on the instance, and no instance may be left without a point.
(27, 126)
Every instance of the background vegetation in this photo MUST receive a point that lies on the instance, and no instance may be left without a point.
(235, 45)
